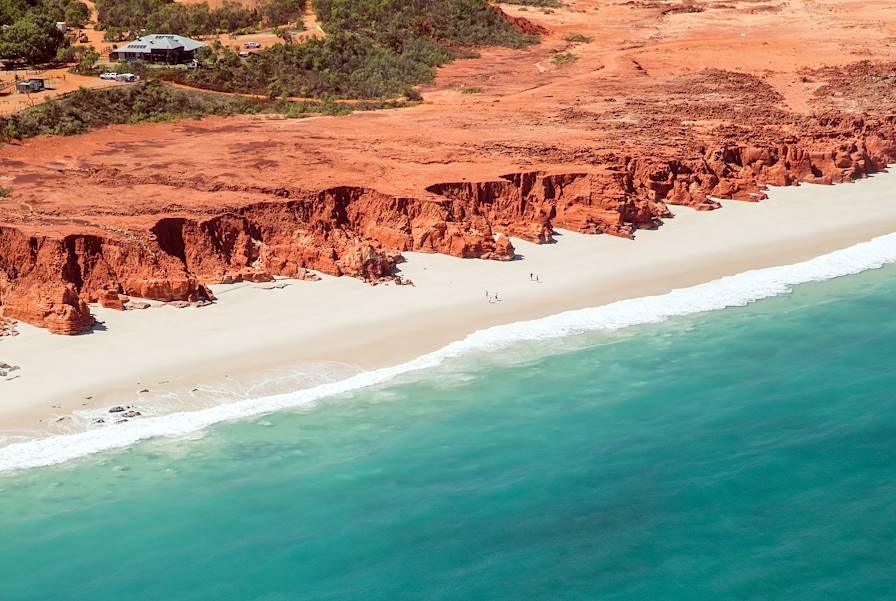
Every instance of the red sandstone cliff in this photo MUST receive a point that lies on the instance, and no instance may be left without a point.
(45, 280)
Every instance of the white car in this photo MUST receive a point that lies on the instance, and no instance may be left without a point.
(252, 45)
(108, 75)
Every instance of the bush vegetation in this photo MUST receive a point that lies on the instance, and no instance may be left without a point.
(85, 57)
(342, 64)
(565, 58)
(121, 17)
(373, 49)
(577, 38)
(541, 3)
(28, 31)
(74, 12)
(148, 102)
(282, 12)
(28, 28)
(144, 102)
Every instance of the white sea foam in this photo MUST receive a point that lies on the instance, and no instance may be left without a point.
(732, 291)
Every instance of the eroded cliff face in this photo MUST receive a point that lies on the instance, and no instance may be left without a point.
(360, 232)
(35, 284)
(744, 171)
(341, 231)
(629, 122)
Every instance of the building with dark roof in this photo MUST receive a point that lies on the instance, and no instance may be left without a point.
(159, 48)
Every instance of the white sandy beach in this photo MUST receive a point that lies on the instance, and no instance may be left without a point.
(163, 359)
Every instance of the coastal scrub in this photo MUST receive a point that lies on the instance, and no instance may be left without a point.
(370, 50)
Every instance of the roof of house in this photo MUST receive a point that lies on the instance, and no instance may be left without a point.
(160, 41)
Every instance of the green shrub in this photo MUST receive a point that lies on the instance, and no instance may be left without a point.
(76, 14)
(343, 64)
(296, 110)
(577, 38)
(86, 58)
(459, 53)
(282, 12)
(87, 64)
(544, 3)
(115, 34)
(565, 58)
(413, 94)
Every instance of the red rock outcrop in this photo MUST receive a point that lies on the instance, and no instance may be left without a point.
(361, 232)
(521, 23)
(110, 300)
(339, 231)
(51, 305)
(744, 171)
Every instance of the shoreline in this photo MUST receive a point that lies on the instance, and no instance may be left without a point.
(347, 327)
(726, 292)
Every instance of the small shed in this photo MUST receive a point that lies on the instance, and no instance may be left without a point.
(27, 86)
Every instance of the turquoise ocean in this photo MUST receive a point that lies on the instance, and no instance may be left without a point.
(744, 453)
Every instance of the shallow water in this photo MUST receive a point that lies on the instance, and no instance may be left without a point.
(743, 454)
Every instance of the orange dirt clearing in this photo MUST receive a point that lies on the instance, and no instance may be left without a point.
(58, 81)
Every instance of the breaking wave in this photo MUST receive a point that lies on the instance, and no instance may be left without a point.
(732, 291)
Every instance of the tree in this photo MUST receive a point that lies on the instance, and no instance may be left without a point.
(284, 34)
(89, 58)
(76, 14)
(280, 12)
(33, 38)
(11, 132)
(11, 11)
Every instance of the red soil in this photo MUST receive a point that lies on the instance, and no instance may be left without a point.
(670, 103)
